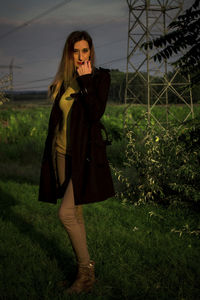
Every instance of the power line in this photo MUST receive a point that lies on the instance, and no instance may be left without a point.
(34, 19)
(38, 61)
(32, 81)
(50, 78)
(96, 26)
(110, 43)
(42, 15)
(112, 61)
(30, 88)
(63, 39)
(50, 59)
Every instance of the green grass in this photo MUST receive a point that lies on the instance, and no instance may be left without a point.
(137, 255)
(141, 252)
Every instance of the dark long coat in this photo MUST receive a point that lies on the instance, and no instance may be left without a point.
(90, 172)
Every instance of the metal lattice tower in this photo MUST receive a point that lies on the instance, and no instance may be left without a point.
(6, 82)
(145, 78)
(4, 85)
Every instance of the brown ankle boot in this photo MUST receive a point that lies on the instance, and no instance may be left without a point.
(84, 281)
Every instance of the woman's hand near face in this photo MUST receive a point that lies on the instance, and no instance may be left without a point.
(85, 68)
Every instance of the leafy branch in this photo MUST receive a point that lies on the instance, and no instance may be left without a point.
(185, 36)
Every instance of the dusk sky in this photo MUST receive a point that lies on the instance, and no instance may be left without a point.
(37, 47)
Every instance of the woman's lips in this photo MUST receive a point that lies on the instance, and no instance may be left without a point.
(80, 63)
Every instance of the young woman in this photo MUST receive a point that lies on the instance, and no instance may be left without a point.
(74, 165)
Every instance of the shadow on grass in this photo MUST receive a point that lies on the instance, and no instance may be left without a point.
(20, 172)
(47, 244)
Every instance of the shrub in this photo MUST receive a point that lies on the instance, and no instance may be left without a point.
(162, 165)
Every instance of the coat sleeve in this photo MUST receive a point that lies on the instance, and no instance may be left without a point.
(94, 96)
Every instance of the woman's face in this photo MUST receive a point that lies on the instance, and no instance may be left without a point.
(81, 52)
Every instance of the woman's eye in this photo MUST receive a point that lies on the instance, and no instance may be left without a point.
(85, 50)
(75, 51)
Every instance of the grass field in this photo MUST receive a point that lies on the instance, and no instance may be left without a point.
(141, 252)
(137, 254)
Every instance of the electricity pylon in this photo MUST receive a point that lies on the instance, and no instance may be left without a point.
(6, 82)
(145, 78)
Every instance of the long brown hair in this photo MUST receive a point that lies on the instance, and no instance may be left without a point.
(66, 70)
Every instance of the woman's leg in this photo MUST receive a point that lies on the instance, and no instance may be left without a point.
(71, 216)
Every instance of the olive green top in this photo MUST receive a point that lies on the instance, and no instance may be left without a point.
(66, 101)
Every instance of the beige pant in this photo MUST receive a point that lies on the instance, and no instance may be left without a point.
(71, 216)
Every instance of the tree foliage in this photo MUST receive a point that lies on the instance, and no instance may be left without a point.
(118, 83)
(185, 35)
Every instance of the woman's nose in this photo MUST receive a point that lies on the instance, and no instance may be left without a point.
(80, 56)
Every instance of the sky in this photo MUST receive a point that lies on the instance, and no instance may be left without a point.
(33, 33)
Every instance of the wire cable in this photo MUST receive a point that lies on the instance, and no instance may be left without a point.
(112, 61)
(64, 39)
(31, 88)
(110, 43)
(48, 11)
(32, 81)
(50, 78)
